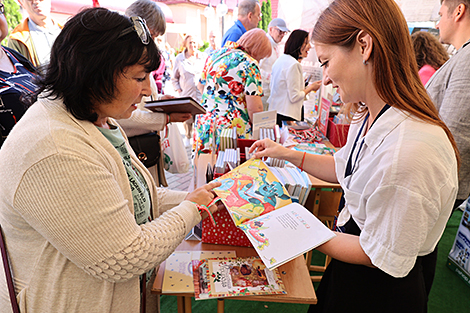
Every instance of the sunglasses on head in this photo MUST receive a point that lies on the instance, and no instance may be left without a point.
(140, 27)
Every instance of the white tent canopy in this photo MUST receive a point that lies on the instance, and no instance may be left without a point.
(304, 13)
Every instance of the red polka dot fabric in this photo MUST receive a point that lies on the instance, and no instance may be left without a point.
(225, 232)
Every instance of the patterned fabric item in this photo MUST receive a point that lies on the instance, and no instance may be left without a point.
(226, 81)
(12, 87)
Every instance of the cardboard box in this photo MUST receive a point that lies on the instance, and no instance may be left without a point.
(337, 133)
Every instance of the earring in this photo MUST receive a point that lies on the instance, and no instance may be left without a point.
(364, 62)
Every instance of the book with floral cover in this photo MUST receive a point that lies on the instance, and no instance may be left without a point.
(260, 206)
(231, 277)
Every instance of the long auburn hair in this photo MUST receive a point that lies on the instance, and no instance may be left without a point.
(395, 69)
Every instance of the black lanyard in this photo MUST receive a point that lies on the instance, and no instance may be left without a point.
(349, 166)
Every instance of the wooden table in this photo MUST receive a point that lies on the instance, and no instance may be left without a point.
(294, 274)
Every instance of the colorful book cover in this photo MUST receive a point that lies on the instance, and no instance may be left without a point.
(178, 276)
(251, 190)
(231, 277)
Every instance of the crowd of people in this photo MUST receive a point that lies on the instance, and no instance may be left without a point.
(82, 216)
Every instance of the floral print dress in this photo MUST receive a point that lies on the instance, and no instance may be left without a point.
(226, 81)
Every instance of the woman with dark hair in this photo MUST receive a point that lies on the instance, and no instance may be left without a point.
(398, 169)
(430, 54)
(287, 86)
(82, 218)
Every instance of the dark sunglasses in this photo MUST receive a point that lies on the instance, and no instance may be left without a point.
(140, 27)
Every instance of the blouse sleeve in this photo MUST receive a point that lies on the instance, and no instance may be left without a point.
(295, 87)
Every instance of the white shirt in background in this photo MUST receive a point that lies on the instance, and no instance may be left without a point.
(287, 87)
(266, 67)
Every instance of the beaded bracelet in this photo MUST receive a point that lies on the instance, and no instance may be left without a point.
(302, 164)
(201, 208)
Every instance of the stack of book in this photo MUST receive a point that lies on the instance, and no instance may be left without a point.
(228, 139)
(272, 133)
(296, 182)
(227, 160)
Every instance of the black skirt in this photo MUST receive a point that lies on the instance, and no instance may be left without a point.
(349, 288)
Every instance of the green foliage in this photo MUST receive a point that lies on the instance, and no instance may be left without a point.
(266, 15)
(204, 46)
(13, 16)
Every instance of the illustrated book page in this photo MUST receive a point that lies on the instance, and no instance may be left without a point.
(286, 233)
(251, 190)
(231, 277)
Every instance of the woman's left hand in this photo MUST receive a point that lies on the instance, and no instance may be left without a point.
(179, 117)
(204, 195)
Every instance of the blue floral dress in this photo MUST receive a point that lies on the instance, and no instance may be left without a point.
(226, 81)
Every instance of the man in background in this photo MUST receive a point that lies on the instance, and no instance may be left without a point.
(449, 87)
(34, 37)
(249, 15)
(277, 29)
(212, 46)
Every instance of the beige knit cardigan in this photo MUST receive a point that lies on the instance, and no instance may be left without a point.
(67, 213)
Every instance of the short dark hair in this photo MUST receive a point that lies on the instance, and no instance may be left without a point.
(87, 57)
(295, 42)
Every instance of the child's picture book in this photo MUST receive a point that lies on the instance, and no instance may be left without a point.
(259, 205)
(231, 277)
(178, 276)
(251, 190)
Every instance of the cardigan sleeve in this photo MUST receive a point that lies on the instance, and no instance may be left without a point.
(77, 205)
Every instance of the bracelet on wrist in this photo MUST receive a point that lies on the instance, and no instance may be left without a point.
(302, 164)
(205, 208)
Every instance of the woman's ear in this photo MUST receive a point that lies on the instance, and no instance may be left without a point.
(365, 44)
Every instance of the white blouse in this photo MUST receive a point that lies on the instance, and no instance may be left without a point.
(401, 190)
(287, 87)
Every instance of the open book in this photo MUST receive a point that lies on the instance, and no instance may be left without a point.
(217, 278)
(259, 205)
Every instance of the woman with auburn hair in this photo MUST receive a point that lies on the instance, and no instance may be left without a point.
(231, 88)
(398, 169)
(430, 54)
